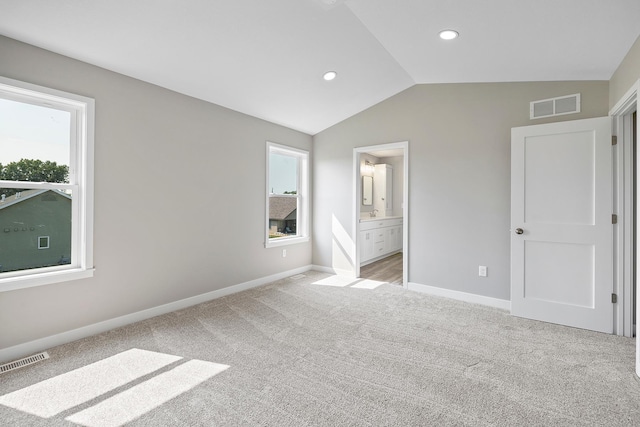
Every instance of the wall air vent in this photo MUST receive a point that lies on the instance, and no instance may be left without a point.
(23, 362)
(559, 106)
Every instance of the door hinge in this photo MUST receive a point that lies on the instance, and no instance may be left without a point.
(614, 140)
(614, 219)
(614, 298)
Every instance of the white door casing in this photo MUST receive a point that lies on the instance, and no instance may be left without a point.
(357, 195)
(561, 201)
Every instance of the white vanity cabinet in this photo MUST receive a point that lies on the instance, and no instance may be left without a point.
(366, 244)
(379, 238)
(383, 189)
(393, 238)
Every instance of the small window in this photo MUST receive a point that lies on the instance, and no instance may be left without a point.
(43, 242)
(287, 218)
(46, 185)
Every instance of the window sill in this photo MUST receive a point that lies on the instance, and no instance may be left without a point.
(40, 279)
(284, 241)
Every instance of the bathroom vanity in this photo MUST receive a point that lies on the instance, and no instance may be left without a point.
(379, 237)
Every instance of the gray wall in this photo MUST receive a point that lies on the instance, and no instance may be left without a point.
(158, 240)
(179, 199)
(626, 75)
(459, 175)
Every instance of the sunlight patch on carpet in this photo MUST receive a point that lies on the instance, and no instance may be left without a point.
(368, 284)
(337, 281)
(50, 397)
(344, 281)
(142, 398)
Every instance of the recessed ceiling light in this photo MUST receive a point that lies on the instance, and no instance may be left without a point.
(448, 34)
(330, 75)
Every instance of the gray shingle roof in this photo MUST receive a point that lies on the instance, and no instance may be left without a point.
(280, 207)
(25, 195)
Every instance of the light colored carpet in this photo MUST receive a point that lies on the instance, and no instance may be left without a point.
(301, 352)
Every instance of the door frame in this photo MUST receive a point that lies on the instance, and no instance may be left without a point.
(357, 195)
(624, 257)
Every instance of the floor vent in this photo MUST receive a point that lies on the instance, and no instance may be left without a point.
(297, 277)
(23, 362)
(559, 106)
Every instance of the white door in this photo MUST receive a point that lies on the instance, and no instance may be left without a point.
(561, 225)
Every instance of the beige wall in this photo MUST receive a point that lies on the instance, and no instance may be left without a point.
(179, 199)
(459, 175)
(626, 75)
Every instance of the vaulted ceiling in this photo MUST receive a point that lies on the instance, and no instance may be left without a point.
(266, 58)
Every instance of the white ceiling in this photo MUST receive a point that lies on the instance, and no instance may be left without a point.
(266, 58)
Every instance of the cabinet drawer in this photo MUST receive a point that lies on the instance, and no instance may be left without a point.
(393, 222)
(378, 249)
(372, 225)
(378, 235)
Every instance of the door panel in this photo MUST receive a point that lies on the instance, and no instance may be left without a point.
(546, 160)
(553, 267)
(561, 201)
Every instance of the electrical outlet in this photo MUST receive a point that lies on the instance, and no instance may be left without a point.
(284, 253)
(482, 271)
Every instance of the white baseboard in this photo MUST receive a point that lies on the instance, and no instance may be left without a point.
(336, 271)
(22, 350)
(461, 296)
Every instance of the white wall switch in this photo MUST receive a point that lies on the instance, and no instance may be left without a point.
(284, 254)
(482, 271)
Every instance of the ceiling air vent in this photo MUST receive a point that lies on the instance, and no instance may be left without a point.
(555, 106)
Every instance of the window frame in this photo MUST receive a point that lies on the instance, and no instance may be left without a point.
(48, 242)
(302, 211)
(81, 166)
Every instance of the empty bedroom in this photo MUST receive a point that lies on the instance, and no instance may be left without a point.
(318, 213)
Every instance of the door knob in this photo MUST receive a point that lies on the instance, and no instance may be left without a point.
(519, 231)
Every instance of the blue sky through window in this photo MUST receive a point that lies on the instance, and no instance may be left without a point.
(33, 132)
(283, 173)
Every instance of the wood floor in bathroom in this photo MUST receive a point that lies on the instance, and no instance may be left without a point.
(388, 269)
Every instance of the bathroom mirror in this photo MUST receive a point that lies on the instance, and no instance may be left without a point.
(367, 190)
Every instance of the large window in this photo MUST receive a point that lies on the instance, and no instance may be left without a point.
(287, 209)
(46, 183)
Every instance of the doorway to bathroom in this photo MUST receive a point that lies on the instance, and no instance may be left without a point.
(380, 219)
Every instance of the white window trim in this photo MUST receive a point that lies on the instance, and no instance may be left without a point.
(80, 182)
(48, 242)
(302, 223)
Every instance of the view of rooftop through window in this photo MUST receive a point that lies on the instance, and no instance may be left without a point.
(286, 174)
